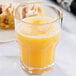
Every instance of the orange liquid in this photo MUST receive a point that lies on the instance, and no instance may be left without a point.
(37, 44)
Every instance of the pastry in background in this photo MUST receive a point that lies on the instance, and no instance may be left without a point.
(34, 10)
(6, 16)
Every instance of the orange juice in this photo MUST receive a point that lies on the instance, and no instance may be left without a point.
(37, 42)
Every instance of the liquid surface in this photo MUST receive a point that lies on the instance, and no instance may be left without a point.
(37, 42)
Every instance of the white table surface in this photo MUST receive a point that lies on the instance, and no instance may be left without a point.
(65, 56)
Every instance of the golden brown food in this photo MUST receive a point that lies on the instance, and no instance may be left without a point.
(28, 11)
(6, 17)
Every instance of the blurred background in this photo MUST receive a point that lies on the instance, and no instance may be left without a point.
(65, 52)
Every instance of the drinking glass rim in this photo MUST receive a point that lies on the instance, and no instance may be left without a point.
(37, 2)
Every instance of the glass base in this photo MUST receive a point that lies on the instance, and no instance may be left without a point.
(36, 70)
